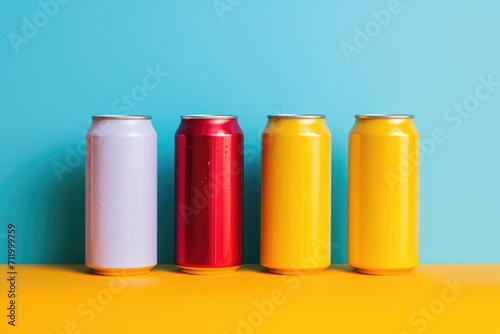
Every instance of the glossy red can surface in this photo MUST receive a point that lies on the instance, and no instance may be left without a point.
(209, 196)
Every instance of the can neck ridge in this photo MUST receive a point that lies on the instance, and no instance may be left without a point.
(296, 116)
(384, 116)
(207, 117)
(121, 117)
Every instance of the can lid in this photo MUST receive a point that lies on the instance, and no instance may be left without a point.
(122, 117)
(209, 117)
(293, 116)
(397, 116)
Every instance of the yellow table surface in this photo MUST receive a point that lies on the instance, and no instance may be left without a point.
(433, 299)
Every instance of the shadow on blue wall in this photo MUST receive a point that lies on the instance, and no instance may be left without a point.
(251, 220)
(339, 210)
(166, 215)
(49, 212)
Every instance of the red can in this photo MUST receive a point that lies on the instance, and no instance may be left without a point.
(209, 197)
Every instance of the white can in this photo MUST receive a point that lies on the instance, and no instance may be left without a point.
(121, 195)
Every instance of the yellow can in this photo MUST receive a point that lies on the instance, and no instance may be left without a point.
(383, 194)
(295, 216)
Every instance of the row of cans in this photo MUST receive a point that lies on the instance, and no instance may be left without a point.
(383, 193)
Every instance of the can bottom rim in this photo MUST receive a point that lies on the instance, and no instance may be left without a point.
(208, 271)
(296, 272)
(384, 272)
(121, 271)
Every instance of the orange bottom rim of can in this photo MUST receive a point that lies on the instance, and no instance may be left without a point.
(296, 272)
(208, 271)
(384, 272)
(121, 271)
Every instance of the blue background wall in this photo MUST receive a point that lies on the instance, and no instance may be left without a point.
(250, 58)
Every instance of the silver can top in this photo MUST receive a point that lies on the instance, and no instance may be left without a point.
(393, 116)
(121, 117)
(209, 117)
(295, 116)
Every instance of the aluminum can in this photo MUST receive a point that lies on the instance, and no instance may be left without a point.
(295, 202)
(208, 194)
(383, 195)
(121, 195)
